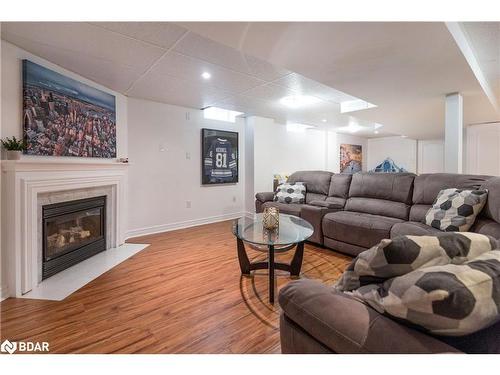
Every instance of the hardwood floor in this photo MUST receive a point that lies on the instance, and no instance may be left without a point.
(182, 294)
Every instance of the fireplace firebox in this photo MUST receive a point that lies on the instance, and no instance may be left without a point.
(72, 231)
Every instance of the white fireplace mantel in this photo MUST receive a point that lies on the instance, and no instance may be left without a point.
(23, 181)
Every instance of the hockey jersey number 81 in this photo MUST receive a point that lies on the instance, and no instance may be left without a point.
(220, 161)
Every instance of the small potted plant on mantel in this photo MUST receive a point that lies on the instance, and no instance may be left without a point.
(14, 147)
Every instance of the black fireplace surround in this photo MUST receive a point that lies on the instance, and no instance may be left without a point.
(72, 231)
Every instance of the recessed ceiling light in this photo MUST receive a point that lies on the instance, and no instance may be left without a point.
(323, 120)
(404, 136)
(297, 101)
(206, 75)
(376, 132)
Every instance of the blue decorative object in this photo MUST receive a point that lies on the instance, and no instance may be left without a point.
(388, 166)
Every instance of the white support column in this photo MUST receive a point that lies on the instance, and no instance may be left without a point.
(454, 125)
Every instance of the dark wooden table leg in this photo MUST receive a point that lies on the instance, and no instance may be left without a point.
(271, 274)
(296, 263)
(243, 258)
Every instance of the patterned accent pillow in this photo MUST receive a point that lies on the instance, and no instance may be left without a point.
(290, 193)
(455, 210)
(448, 300)
(403, 254)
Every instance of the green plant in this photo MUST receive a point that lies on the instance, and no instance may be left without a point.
(13, 144)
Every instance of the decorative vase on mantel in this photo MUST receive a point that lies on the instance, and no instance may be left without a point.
(271, 218)
(13, 154)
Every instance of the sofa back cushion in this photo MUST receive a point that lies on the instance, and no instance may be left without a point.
(492, 208)
(396, 187)
(426, 188)
(339, 189)
(317, 183)
(385, 194)
(379, 207)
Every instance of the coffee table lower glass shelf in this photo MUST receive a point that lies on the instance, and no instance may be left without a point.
(292, 233)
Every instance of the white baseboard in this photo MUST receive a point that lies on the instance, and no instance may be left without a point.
(4, 293)
(183, 224)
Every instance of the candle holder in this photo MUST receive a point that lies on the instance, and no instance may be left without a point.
(271, 218)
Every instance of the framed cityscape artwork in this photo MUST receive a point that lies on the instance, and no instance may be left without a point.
(219, 157)
(64, 117)
(351, 158)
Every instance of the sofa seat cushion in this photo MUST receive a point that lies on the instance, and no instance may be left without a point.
(285, 208)
(413, 228)
(365, 230)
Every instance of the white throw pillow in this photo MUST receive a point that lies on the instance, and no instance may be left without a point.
(290, 193)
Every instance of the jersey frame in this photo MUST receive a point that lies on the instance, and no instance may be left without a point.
(208, 136)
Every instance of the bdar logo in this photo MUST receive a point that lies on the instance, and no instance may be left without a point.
(8, 347)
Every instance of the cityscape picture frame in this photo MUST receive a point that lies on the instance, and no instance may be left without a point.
(65, 117)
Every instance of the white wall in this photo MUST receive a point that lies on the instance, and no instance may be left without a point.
(249, 164)
(277, 150)
(431, 156)
(12, 57)
(161, 182)
(483, 149)
(402, 150)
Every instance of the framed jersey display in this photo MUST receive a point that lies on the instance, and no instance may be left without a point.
(219, 153)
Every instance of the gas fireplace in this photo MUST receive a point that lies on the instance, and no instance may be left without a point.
(72, 231)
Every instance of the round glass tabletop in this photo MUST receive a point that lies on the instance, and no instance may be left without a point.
(292, 229)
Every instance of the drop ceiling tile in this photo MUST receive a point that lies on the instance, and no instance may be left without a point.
(264, 70)
(270, 92)
(114, 76)
(306, 86)
(190, 69)
(162, 34)
(172, 90)
(80, 38)
(197, 46)
(205, 49)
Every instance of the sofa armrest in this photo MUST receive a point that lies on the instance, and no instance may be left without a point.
(267, 196)
(314, 215)
(325, 204)
(345, 325)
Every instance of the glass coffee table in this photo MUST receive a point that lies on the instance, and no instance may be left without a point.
(292, 233)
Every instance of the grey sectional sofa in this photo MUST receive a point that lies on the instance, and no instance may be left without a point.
(351, 214)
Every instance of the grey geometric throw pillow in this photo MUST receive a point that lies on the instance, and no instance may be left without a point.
(448, 300)
(455, 210)
(403, 254)
(290, 193)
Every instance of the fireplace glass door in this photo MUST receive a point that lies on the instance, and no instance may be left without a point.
(72, 232)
